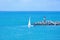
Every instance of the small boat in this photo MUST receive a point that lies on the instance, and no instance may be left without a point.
(29, 23)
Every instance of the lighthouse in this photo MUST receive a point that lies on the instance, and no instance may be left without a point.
(44, 19)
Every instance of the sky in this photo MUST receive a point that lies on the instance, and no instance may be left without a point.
(29, 5)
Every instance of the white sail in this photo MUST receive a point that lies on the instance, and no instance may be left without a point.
(29, 23)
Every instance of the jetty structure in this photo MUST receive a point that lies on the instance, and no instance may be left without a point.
(46, 22)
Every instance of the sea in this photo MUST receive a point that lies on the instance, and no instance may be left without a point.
(14, 25)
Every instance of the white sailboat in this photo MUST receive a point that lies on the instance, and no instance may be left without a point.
(29, 23)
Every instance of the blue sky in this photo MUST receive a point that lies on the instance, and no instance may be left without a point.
(29, 5)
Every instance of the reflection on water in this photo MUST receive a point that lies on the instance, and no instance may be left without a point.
(33, 33)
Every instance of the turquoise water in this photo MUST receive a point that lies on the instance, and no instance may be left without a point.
(13, 26)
